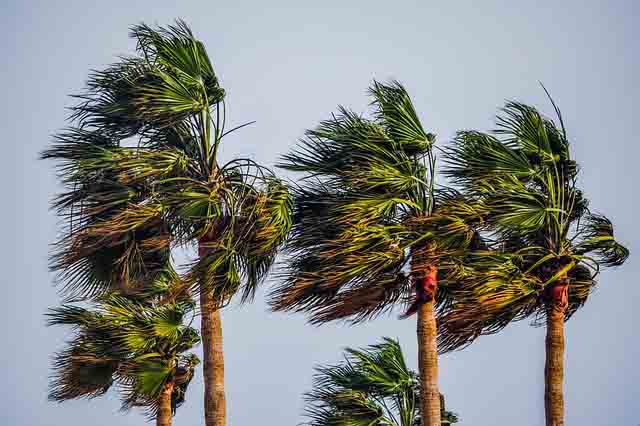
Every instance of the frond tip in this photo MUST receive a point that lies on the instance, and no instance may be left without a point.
(596, 236)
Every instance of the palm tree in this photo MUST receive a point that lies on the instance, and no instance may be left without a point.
(371, 387)
(143, 176)
(139, 347)
(366, 209)
(548, 246)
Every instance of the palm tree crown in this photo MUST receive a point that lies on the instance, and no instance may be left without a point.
(372, 386)
(127, 203)
(140, 348)
(547, 246)
(367, 205)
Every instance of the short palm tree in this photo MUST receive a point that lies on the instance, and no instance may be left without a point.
(139, 347)
(371, 387)
(143, 175)
(548, 248)
(366, 209)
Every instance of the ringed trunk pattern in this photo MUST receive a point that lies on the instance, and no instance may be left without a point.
(164, 415)
(557, 302)
(213, 357)
(426, 279)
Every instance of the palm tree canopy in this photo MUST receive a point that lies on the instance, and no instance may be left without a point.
(539, 221)
(372, 386)
(138, 347)
(141, 173)
(367, 196)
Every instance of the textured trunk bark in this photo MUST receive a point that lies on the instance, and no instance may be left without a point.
(213, 363)
(425, 277)
(554, 364)
(164, 416)
(428, 364)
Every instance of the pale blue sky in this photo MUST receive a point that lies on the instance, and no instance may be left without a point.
(287, 65)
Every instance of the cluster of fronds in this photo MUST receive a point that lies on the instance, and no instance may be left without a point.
(372, 386)
(366, 200)
(126, 206)
(137, 347)
(368, 203)
(540, 225)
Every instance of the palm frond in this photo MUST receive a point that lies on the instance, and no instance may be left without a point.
(79, 373)
(539, 137)
(169, 81)
(261, 228)
(395, 109)
(596, 236)
(218, 271)
(321, 278)
(479, 159)
(494, 293)
(175, 48)
(89, 262)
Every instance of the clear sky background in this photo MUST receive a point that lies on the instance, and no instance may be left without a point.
(287, 65)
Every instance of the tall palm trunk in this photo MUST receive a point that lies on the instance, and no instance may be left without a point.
(428, 365)
(426, 282)
(215, 411)
(557, 302)
(164, 415)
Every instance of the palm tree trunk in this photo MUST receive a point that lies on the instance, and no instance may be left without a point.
(428, 364)
(164, 415)
(213, 364)
(425, 278)
(215, 411)
(554, 364)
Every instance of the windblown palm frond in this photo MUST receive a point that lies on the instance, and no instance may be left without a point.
(541, 228)
(170, 80)
(137, 346)
(595, 235)
(372, 386)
